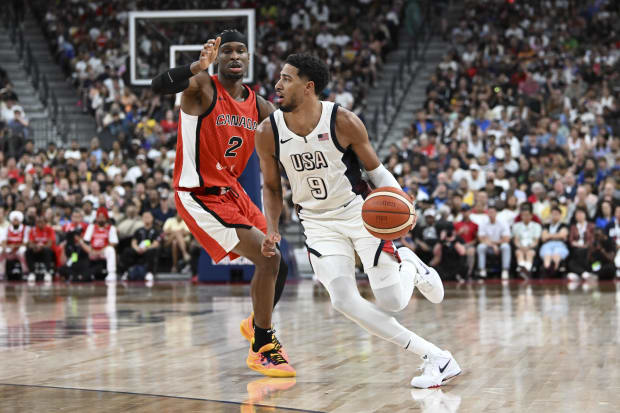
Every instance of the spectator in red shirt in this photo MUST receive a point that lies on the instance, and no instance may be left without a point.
(468, 230)
(169, 125)
(41, 240)
(100, 241)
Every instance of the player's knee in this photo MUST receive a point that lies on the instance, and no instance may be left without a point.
(342, 305)
(392, 303)
(267, 265)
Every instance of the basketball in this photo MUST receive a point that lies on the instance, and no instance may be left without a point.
(388, 213)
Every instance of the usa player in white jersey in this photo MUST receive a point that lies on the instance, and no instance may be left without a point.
(318, 144)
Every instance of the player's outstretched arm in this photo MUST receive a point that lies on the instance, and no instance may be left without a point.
(272, 189)
(350, 131)
(179, 79)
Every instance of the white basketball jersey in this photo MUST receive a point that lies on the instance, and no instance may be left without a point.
(322, 174)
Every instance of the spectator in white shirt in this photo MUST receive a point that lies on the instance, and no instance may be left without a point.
(324, 39)
(526, 237)
(344, 97)
(494, 237)
(476, 178)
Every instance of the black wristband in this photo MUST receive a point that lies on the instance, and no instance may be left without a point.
(173, 80)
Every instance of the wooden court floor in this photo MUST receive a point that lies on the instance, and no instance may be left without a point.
(523, 347)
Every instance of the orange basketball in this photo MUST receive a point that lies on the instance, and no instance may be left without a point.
(388, 213)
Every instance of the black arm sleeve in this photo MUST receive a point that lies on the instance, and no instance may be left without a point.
(172, 81)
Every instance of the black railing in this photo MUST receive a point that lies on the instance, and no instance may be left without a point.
(396, 93)
(58, 118)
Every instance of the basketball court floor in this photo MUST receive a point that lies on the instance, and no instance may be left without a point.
(176, 347)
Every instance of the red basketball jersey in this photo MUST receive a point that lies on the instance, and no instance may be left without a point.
(16, 236)
(213, 148)
(100, 237)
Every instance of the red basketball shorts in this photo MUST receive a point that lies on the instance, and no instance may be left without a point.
(214, 219)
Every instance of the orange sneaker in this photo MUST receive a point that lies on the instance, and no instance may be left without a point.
(247, 327)
(269, 362)
(247, 330)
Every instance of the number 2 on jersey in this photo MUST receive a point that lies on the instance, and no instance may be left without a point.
(318, 189)
(233, 144)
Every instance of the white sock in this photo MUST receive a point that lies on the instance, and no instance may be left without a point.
(417, 344)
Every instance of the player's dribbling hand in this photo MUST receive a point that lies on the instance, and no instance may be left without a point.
(269, 244)
(208, 54)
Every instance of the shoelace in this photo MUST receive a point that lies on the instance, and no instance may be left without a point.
(276, 343)
(274, 356)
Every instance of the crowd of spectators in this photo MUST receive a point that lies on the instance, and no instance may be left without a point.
(110, 200)
(61, 210)
(90, 40)
(515, 154)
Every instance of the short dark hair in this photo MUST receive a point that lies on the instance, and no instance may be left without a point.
(312, 68)
(526, 206)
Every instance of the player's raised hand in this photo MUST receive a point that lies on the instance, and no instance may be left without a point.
(208, 54)
(269, 244)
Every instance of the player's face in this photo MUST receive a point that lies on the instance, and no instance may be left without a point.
(290, 88)
(233, 59)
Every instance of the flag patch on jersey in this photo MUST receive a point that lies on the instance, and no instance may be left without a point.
(323, 136)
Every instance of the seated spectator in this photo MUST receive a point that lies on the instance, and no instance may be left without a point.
(164, 210)
(602, 255)
(613, 232)
(604, 215)
(129, 224)
(526, 235)
(74, 258)
(14, 240)
(554, 237)
(144, 248)
(40, 249)
(449, 254)
(468, 231)
(580, 238)
(177, 237)
(426, 236)
(100, 241)
(494, 237)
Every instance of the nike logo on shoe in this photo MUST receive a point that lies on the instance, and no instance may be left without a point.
(284, 141)
(441, 369)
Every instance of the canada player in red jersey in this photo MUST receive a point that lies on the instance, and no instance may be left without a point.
(217, 122)
(14, 239)
(41, 240)
(100, 240)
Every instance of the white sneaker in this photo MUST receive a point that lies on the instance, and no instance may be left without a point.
(31, 277)
(505, 275)
(589, 276)
(111, 277)
(482, 273)
(426, 278)
(436, 370)
(571, 276)
(47, 277)
(149, 276)
(436, 401)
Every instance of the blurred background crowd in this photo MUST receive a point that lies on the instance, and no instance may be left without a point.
(515, 151)
(125, 171)
(512, 159)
